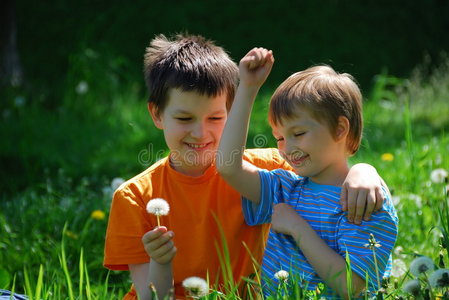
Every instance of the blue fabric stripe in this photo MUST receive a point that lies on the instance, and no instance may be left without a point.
(320, 206)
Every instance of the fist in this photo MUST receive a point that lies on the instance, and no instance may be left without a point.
(158, 244)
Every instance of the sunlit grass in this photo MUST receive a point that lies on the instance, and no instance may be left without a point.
(52, 224)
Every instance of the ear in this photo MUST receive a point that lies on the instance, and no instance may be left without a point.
(155, 115)
(342, 129)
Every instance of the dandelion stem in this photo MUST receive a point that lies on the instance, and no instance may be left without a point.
(158, 222)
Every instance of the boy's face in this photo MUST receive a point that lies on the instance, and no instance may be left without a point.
(192, 125)
(310, 148)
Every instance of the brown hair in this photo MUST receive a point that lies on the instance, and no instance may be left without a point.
(189, 63)
(324, 93)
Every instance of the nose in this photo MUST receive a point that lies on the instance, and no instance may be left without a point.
(198, 130)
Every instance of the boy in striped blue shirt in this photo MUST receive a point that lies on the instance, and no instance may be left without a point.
(316, 118)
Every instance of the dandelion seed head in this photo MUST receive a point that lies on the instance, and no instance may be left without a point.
(281, 275)
(158, 207)
(116, 183)
(196, 286)
(438, 175)
(439, 278)
(412, 287)
(420, 265)
(396, 200)
(417, 199)
(399, 268)
(82, 88)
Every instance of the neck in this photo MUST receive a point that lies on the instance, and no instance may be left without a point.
(188, 170)
(335, 174)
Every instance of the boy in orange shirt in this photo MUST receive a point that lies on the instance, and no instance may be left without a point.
(192, 83)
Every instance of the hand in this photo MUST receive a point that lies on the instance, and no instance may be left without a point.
(361, 193)
(285, 219)
(158, 243)
(255, 66)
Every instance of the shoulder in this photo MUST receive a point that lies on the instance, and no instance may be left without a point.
(284, 177)
(266, 158)
(142, 183)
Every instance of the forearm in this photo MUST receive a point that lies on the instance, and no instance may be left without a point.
(328, 264)
(233, 140)
(160, 276)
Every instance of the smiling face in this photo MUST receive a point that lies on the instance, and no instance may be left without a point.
(311, 149)
(192, 125)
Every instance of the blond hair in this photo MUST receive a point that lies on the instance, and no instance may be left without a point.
(327, 95)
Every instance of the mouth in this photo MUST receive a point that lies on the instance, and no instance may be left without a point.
(198, 146)
(298, 160)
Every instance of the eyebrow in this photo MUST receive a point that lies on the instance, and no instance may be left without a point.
(182, 111)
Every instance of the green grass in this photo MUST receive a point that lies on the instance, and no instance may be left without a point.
(63, 159)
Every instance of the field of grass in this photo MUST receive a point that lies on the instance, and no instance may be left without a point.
(57, 192)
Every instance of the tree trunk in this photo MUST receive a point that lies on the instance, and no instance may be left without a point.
(10, 67)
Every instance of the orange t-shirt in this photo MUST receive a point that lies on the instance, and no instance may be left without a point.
(193, 202)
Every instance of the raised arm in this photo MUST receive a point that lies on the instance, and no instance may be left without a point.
(254, 69)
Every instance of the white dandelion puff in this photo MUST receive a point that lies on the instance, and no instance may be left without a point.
(158, 207)
(116, 183)
(412, 287)
(281, 275)
(196, 286)
(420, 265)
(417, 199)
(396, 200)
(438, 175)
(82, 88)
(399, 268)
(439, 278)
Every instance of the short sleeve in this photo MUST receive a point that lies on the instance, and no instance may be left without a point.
(275, 187)
(354, 240)
(127, 223)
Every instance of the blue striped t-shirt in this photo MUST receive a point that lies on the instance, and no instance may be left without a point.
(319, 206)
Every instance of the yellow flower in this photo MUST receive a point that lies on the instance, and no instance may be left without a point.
(387, 157)
(97, 214)
(71, 234)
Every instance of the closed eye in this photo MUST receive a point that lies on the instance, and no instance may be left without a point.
(216, 118)
(183, 119)
(300, 133)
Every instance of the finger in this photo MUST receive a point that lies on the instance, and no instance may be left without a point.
(351, 204)
(153, 234)
(380, 198)
(167, 257)
(360, 207)
(157, 243)
(162, 250)
(370, 204)
(344, 198)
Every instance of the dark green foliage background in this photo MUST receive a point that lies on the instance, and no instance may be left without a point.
(359, 37)
(100, 134)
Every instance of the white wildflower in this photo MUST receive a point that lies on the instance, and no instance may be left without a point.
(417, 199)
(281, 275)
(158, 207)
(399, 268)
(438, 175)
(396, 200)
(420, 265)
(439, 278)
(116, 183)
(196, 286)
(82, 88)
(412, 287)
